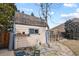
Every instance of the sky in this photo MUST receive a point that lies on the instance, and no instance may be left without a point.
(60, 12)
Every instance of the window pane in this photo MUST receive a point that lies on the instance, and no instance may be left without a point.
(36, 31)
(31, 31)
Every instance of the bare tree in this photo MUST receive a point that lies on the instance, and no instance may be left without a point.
(45, 13)
(45, 9)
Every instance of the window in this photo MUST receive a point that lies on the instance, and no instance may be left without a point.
(33, 31)
(36, 31)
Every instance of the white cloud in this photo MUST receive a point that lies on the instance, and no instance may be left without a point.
(69, 5)
(52, 13)
(77, 10)
(64, 15)
(70, 15)
(26, 9)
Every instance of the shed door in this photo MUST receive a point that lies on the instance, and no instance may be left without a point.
(4, 40)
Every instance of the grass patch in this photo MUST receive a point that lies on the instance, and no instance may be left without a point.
(73, 45)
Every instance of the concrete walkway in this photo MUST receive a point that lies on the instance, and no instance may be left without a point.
(5, 52)
(57, 49)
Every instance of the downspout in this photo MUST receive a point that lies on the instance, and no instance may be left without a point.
(46, 34)
(11, 41)
(12, 38)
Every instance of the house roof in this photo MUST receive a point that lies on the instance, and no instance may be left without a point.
(75, 20)
(24, 19)
(62, 26)
(59, 28)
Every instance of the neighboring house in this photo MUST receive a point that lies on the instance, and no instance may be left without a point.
(57, 32)
(30, 30)
(59, 28)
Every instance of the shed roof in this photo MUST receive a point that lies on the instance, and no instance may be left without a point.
(24, 19)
